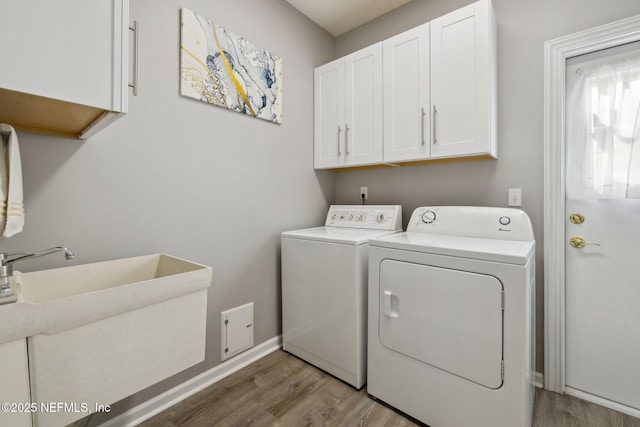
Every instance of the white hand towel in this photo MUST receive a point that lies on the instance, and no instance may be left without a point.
(11, 194)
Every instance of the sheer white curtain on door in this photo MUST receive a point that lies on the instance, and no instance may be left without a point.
(602, 118)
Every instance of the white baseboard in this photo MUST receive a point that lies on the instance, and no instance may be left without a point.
(148, 409)
(538, 380)
(602, 402)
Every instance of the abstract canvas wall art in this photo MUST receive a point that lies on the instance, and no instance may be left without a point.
(224, 69)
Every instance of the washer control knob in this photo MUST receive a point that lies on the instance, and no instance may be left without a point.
(504, 220)
(428, 217)
(381, 217)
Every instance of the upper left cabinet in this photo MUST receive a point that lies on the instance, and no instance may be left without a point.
(65, 65)
(348, 110)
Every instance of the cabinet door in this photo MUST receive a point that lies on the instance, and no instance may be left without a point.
(328, 115)
(14, 373)
(462, 72)
(406, 95)
(71, 50)
(363, 106)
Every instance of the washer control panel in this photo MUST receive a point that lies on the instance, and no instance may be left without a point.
(472, 221)
(379, 217)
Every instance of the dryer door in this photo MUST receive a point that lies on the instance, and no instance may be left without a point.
(449, 319)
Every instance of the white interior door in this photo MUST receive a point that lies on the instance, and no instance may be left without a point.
(602, 272)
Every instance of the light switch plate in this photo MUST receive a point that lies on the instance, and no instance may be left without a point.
(515, 197)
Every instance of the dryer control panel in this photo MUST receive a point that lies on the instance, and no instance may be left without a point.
(378, 217)
(473, 221)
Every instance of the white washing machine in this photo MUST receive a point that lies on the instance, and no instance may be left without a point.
(451, 317)
(324, 288)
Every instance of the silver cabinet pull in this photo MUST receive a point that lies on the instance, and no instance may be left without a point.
(422, 126)
(435, 134)
(339, 132)
(134, 84)
(346, 139)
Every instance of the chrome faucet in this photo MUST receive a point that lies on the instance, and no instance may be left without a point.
(7, 292)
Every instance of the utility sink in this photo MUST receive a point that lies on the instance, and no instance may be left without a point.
(72, 296)
(157, 270)
(100, 332)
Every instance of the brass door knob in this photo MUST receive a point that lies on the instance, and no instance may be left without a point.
(576, 218)
(579, 242)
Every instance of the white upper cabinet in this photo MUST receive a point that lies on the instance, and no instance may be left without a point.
(406, 95)
(328, 112)
(463, 70)
(439, 95)
(363, 106)
(64, 68)
(348, 110)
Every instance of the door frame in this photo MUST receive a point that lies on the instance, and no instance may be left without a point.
(556, 53)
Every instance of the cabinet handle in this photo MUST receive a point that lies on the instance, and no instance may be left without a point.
(435, 133)
(339, 132)
(422, 126)
(134, 84)
(346, 139)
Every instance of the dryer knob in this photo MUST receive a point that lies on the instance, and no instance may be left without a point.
(505, 220)
(428, 217)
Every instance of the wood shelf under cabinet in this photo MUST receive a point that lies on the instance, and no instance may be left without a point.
(37, 114)
(415, 163)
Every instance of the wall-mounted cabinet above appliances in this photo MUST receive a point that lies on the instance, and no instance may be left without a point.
(406, 95)
(64, 68)
(348, 110)
(439, 90)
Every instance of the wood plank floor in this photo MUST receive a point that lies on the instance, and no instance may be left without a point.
(283, 391)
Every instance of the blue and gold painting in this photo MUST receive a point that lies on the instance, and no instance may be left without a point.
(221, 68)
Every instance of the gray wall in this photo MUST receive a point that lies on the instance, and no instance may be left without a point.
(217, 187)
(193, 180)
(523, 27)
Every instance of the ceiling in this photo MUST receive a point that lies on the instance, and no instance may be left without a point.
(341, 16)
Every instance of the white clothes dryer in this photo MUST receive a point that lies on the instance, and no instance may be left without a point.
(324, 288)
(451, 317)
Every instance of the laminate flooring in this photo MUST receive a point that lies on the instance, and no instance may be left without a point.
(281, 390)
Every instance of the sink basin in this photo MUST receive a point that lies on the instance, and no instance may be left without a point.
(49, 285)
(102, 331)
(54, 300)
